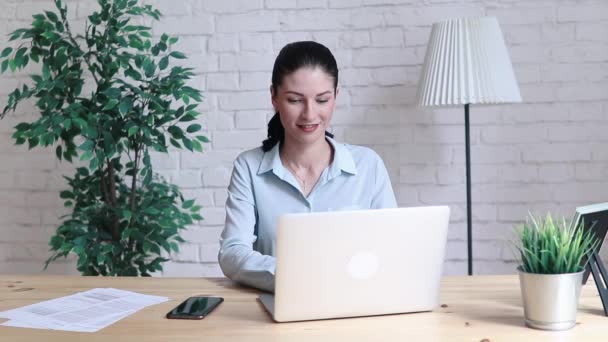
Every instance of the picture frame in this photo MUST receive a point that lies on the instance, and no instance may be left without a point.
(594, 218)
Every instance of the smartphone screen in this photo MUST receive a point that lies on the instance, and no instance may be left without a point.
(195, 307)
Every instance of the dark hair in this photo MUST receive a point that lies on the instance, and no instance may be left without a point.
(292, 57)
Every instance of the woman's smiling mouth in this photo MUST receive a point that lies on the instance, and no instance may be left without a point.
(308, 128)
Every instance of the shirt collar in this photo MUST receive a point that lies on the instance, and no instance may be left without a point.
(343, 160)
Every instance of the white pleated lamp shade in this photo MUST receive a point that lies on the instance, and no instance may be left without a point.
(467, 62)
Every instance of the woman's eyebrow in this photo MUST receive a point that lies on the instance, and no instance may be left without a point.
(299, 94)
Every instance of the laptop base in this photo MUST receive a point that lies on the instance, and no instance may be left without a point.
(268, 301)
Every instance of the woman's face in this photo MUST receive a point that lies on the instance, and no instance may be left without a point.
(305, 101)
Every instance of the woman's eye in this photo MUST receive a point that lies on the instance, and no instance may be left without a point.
(293, 100)
(322, 100)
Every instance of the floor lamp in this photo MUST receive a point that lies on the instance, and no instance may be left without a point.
(467, 63)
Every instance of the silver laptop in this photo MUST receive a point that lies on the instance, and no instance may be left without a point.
(358, 263)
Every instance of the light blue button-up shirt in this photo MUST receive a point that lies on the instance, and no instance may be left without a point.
(261, 189)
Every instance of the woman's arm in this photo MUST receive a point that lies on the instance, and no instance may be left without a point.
(237, 258)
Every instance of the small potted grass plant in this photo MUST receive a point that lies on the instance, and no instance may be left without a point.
(552, 262)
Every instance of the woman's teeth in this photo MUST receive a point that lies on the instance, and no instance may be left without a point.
(308, 128)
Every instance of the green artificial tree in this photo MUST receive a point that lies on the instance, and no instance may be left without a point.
(123, 215)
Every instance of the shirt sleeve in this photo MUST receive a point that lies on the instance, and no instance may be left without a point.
(237, 258)
(383, 196)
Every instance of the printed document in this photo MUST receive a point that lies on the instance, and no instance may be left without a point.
(87, 311)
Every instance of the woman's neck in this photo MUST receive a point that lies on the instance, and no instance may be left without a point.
(307, 156)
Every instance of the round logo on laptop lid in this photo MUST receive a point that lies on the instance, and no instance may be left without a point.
(363, 265)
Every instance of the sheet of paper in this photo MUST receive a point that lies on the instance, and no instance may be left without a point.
(87, 311)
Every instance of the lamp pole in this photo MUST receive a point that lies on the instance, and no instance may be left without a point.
(468, 162)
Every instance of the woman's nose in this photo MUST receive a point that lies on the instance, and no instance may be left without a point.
(309, 109)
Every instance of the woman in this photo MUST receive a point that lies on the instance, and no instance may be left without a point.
(299, 168)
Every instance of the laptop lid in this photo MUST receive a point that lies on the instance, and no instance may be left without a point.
(359, 263)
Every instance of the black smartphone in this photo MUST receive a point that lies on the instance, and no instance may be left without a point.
(195, 308)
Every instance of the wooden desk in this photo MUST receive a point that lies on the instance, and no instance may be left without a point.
(474, 309)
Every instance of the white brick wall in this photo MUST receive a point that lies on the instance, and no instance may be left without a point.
(548, 153)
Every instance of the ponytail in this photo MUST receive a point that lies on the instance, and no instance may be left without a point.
(276, 133)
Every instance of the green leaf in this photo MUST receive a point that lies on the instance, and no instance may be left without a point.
(187, 118)
(164, 63)
(187, 204)
(80, 123)
(108, 144)
(32, 142)
(112, 92)
(176, 132)
(66, 194)
(175, 143)
(197, 146)
(149, 69)
(151, 211)
(177, 54)
(52, 16)
(79, 249)
(126, 214)
(100, 259)
(52, 36)
(86, 156)
(66, 247)
(133, 74)
(23, 126)
(7, 51)
(187, 143)
(132, 131)
(67, 124)
(58, 152)
(87, 146)
(147, 246)
(193, 128)
(202, 138)
(110, 104)
(94, 163)
(20, 53)
(46, 71)
(125, 105)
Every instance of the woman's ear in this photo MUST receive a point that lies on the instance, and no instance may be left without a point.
(337, 92)
(273, 98)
